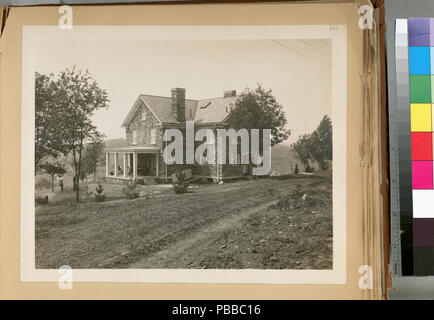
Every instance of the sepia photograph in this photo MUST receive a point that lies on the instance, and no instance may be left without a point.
(197, 153)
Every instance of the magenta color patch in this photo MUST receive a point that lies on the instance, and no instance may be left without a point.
(422, 174)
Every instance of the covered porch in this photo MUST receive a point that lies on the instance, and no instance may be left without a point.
(132, 162)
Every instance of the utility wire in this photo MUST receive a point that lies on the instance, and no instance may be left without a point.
(298, 53)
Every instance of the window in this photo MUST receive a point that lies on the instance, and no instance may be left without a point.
(153, 136)
(134, 136)
(143, 115)
(233, 157)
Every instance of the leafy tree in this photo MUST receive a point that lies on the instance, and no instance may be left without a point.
(92, 156)
(52, 168)
(48, 140)
(303, 150)
(322, 143)
(77, 97)
(258, 109)
(316, 146)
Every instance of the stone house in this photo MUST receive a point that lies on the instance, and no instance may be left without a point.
(145, 124)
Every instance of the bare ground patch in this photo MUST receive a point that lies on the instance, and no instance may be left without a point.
(214, 226)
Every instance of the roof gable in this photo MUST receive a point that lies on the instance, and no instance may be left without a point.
(201, 111)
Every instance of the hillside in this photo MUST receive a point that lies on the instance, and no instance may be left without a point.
(115, 143)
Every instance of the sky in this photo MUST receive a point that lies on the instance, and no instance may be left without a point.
(297, 71)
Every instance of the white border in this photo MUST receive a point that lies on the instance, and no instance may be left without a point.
(338, 34)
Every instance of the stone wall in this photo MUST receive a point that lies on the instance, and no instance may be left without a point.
(144, 127)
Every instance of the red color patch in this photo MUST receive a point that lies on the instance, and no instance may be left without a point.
(421, 146)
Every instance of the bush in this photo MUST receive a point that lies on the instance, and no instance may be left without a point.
(179, 186)
(41, 200)
(130, 189)
(99, 195)
(296, 169)
(42, 183)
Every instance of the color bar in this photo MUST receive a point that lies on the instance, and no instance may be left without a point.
(421, 89)
(403, 124)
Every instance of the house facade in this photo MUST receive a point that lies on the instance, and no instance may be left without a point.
(145, 125)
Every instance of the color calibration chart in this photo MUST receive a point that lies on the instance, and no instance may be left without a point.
(415, 142)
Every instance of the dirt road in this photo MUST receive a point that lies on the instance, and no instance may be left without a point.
(215, 226)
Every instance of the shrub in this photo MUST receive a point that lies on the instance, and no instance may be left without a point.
(99, 195)
(296, 169)
(42, 183)
(130, 189)
(41, 200)
(179, 186)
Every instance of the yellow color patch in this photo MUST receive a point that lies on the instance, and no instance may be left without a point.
(420, 117)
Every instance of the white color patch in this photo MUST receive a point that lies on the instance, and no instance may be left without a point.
(423, 203)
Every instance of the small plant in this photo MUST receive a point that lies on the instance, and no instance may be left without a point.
(130, 189)
(298, 191)
(180, 186)
(99, 195)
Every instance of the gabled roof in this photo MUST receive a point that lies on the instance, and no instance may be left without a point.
(161, 107)
(201, 111)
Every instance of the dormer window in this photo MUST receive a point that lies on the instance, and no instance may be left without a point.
(205, 105)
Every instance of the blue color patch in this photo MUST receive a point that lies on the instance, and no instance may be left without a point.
(419, 60)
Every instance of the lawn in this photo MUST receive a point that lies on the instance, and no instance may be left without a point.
(258, 223)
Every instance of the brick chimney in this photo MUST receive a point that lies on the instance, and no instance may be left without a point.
(178, 103)
(229, 93)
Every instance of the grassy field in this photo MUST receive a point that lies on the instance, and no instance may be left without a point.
(259, 223)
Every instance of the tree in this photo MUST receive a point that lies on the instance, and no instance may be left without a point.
(48, 140)
(316, 146)
(77, 97)
(91, 157)
(303, 150)
(258, 109)
(52, 168)
(322, 139)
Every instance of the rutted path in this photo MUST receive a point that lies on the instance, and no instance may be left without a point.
(170, 256)
(162, 231)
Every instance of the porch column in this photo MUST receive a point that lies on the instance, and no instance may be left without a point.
(106, 164)
(125, 165)
(157, 163)
(129, 162)
(134, 165)
(116, 164)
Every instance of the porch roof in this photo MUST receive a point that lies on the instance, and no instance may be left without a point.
(140, 149)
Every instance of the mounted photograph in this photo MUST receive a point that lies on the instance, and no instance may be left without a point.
(163, 150)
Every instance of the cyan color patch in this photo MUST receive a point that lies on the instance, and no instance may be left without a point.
(419, 60)
(432, 60)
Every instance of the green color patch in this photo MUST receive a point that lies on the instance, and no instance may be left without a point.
(432, 88)
(420, 88)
